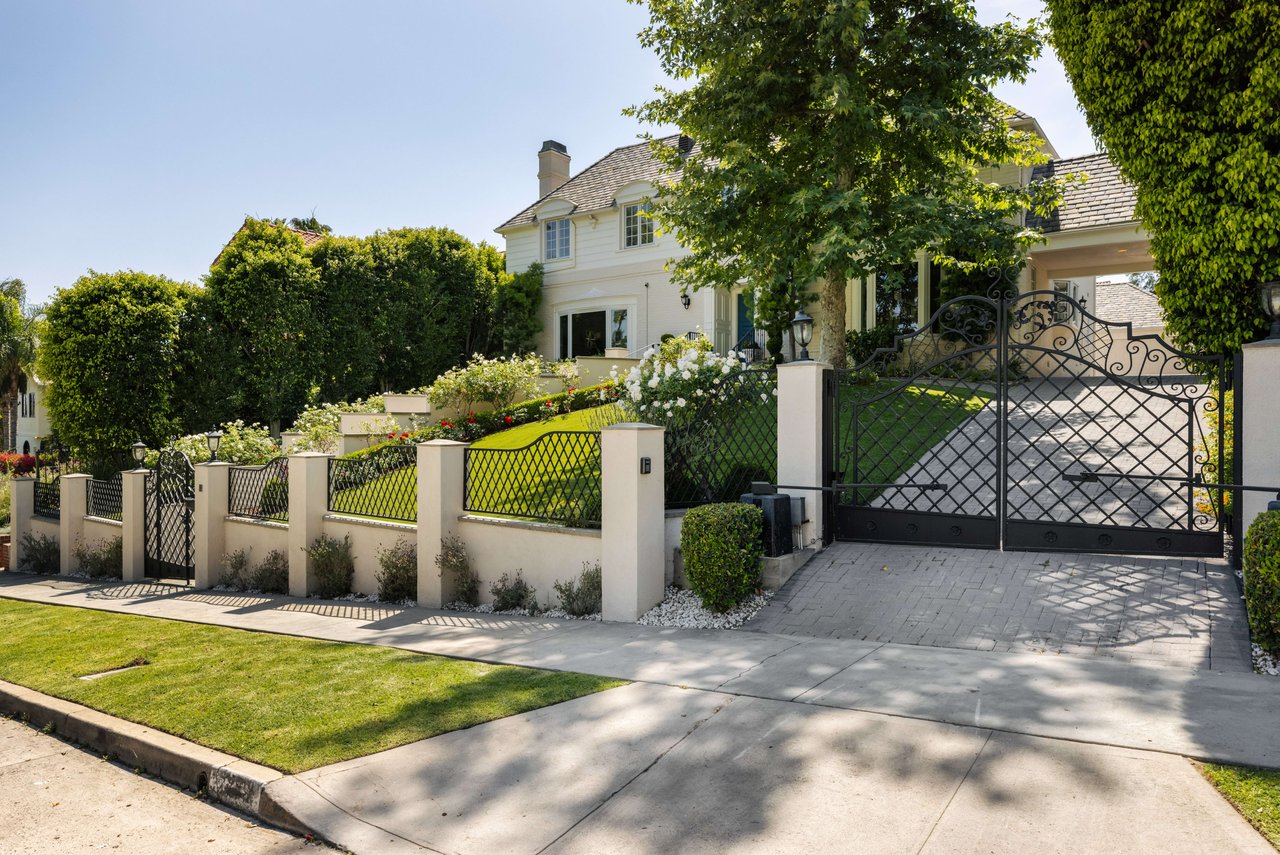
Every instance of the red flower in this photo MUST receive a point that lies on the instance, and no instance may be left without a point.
(508, 419)
(572, 390)
(471, 421)
(391, 436)
(404, 435)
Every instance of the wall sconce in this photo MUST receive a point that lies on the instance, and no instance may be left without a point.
(684, 299)
(214, 438)
(802, 329)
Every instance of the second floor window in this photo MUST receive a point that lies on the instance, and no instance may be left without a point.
(557, 238)
(637, 226)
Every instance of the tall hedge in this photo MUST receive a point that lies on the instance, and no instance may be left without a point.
(109, 350)
(1185, 96)
(1262, 580)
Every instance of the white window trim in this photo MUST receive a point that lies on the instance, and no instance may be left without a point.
(622, 219)
(544, 225)
(585, 307)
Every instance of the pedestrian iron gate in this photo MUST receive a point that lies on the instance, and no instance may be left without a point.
(168, 531)
(1022, 421)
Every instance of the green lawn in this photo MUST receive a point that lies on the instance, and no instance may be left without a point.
(516, 437)
(1254, 792)
(897, 430)
(289, 703)
(393, 497)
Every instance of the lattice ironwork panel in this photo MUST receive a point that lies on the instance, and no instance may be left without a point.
(555, 479)
(724, 442)
(169, 531)
(382, 485)
(260, 492)
(48, 496)
(105, 497)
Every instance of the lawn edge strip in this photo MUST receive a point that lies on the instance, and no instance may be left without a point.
(225, 778)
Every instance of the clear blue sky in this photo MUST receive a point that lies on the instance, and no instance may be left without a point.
(139, 134)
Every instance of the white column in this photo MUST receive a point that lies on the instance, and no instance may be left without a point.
(1260, 404)
(441, 471)
(73, 493)
(801, 440)
(634, 510)
(133, 533)
(209, 518)
(308, 503)
(22, 505)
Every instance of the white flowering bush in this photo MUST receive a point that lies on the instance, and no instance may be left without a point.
(566, 371)
(499, 382)
(674, 383)
(247, 445)
(319, 424)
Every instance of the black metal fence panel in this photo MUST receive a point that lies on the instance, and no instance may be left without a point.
(381, 485)
(48, 496)
(554, 479)
(260, 492)
(105, 498)
(724, 442)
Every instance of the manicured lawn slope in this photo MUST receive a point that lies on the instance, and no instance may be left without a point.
(290, 703)
(581, 420)
(1254, 792)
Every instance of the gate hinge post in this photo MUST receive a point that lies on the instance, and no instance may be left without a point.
(133, 508)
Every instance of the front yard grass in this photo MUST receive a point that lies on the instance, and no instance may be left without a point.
(289, 703)
(1254, 792)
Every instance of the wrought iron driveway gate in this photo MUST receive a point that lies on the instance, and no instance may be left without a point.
(168, 531)
(1022, 421)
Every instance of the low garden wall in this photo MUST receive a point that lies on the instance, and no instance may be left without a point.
(255, 537)
(368, 537)
(98, 529)
(44, 526)
(545, 554)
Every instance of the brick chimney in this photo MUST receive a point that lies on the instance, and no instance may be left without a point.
(553, 166)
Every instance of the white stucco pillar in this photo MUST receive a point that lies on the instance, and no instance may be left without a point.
(1259, 405)
(213, 482)
(22, 504)
(801, 440)
(308, 503)
(73, 494)
(441, 475)
(133, 531)
(632, 520)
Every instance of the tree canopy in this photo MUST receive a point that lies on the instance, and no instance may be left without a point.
(1185, 96)
(836, 139)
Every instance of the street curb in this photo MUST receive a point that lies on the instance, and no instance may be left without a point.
(224, 778)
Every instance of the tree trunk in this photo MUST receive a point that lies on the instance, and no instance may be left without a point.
(831, 310)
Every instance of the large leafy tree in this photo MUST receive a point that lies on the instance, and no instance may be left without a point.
(261, 326)
(19, 325)
(346, 309)
(1185, 95)
(108, 349)
(835, 139)
(515, 324)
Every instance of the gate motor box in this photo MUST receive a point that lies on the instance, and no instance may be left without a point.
(777, 521)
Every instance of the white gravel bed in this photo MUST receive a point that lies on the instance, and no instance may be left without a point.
(487, 609)
(684, 609)
(1265, 663)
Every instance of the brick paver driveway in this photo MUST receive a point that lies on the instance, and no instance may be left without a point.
(1178, 612)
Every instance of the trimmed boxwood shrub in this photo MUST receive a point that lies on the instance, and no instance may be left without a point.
(1262, 580)
(723, 546)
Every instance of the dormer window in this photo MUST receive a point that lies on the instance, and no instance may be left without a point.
(556, 238)
(637, 225)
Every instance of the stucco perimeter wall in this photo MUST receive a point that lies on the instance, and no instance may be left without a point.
(44, 526)
(97, 530)
(544, 553)
(367, 538)
(255, 537)
(594, 370)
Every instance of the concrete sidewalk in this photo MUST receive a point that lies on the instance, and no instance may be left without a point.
(740, 741)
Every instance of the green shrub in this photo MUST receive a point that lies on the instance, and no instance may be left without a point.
(398, 576)
(1262, 580)
(582, 597)
(6, 499)
(272, 575)
(102, 560)
(455, 565)
(513, 592)
(722, 546)
(235, 570)
(497, 382)
(333, 566)
(275, 497)
(40, 554)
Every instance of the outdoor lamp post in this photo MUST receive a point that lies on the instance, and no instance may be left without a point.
(139, 450)
(214, 438)
(1271, 306)
(802, 329)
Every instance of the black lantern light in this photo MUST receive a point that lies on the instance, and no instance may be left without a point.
(802, 330)
(684, 299)
(1271, 306)
(214, 438)
(139, 450)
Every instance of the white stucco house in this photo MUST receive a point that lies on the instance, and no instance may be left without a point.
(31, 416)
(605, 286)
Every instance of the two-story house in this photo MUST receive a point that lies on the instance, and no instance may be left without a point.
(606, 287)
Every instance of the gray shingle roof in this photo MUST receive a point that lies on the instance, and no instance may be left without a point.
(1104, 200)
(593, 188)
(1122, 302)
